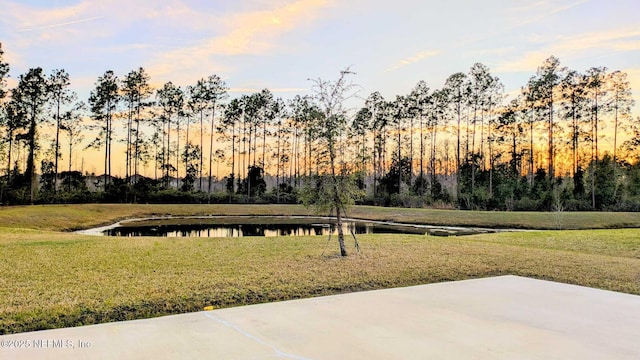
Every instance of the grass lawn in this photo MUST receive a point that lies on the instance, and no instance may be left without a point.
(74, 217)
(50, 278)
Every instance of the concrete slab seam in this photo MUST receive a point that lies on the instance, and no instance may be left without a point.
(278, 352)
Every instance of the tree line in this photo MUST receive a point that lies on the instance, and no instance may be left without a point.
(463, 145)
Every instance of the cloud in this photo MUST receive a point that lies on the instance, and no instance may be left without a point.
(611, 39)
(413, 59)
(617, 40)
(542, 10)
(26, 24)
(528, 62)
(185, 39)
(12, 57)
(21, 16)
(46, 27)
(29, 25)
(249, 33)
(496, 51)
(254, 32)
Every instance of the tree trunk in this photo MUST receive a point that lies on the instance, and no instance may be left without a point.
(596, 126)
(10, 136)
(70, 157)
(136, 151)
(201, 149)
(343, 249)
(213, 112)
(337, 204)
(421, 156)
(31, 173)
(399, 160)
(156, 159)
(128, 150)
(109, 140)
(278, 165)
(166, 150)
(615, 135)
(434, 160)
(594, 161)
(57, 155)
(186, 147)
(531, 151)
(411, 150)
(482, 158)
(106, 152)
(376, 157)
(574, 138)
(490, 146)
(551, 160)
(233, 157)
(473, 149)
(178, 150)
(458, 155)
(244, 149)
(70, 153)
(264, 143)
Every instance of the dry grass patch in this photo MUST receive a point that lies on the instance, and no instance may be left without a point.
(50, 279)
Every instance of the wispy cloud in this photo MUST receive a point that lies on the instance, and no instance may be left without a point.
(61, 24)
(21, 16)
(185, 41)
(256, 32)
(617, 40)
(244, 33)
(32, 25)
(540, 10)
(527, 62)
(27, 27)
(413, 59)
(496, 51)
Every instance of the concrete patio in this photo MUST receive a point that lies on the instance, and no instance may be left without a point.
(504, 317)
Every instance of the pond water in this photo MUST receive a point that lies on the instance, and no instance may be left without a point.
(267, 230)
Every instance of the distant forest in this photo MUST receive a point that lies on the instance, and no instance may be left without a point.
(567, 141)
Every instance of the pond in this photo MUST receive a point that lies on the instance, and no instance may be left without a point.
(267, 226)
(257, 229)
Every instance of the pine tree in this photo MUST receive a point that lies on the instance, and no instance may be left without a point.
(58, 83)
(103, 101)
(31, 95)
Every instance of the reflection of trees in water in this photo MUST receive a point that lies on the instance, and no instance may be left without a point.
(243, 230)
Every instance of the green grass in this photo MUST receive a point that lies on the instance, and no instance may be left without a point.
(74, 217)
(501, 219)
(52, 279)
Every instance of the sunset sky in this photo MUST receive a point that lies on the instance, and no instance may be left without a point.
(280, 44)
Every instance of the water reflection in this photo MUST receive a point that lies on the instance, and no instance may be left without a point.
(266, 230)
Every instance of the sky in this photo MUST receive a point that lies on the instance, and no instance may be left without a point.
(281, 44)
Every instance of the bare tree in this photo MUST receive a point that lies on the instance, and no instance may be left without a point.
(333, 189)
